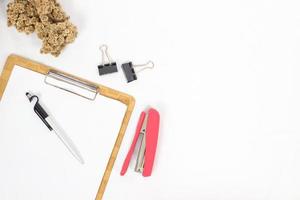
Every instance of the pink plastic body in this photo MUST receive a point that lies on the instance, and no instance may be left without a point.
(151, 141)
(132, 147)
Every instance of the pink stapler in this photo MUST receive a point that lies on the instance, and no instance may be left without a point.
(146, 132)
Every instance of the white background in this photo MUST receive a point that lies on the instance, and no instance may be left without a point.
(226, 82)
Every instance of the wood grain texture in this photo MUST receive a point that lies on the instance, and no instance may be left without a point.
(126, 99)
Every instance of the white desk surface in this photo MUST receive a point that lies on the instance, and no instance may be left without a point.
(226, 82)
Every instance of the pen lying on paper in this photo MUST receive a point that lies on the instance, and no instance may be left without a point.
(43, 115)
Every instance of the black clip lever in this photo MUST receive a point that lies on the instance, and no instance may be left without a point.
(110, 66)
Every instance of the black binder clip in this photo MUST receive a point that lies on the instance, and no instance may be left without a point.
(107, 66)
(130, 72)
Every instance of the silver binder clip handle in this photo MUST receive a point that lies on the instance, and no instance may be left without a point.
(148, 65)
(105, 55)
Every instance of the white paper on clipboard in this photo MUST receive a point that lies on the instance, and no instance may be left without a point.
(35, 164)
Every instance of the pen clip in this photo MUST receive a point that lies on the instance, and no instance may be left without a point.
(38, 109)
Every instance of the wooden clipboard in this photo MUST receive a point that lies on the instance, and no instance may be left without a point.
(126, 99)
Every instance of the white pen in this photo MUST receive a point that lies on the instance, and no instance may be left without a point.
(43, 115)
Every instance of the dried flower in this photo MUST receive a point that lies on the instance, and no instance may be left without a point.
(47, 19)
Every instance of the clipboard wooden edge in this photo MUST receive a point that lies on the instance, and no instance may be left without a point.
(126, 99)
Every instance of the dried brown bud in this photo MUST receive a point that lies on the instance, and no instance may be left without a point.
(47, 19)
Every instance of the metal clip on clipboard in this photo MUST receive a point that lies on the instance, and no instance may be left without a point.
(71, 84)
